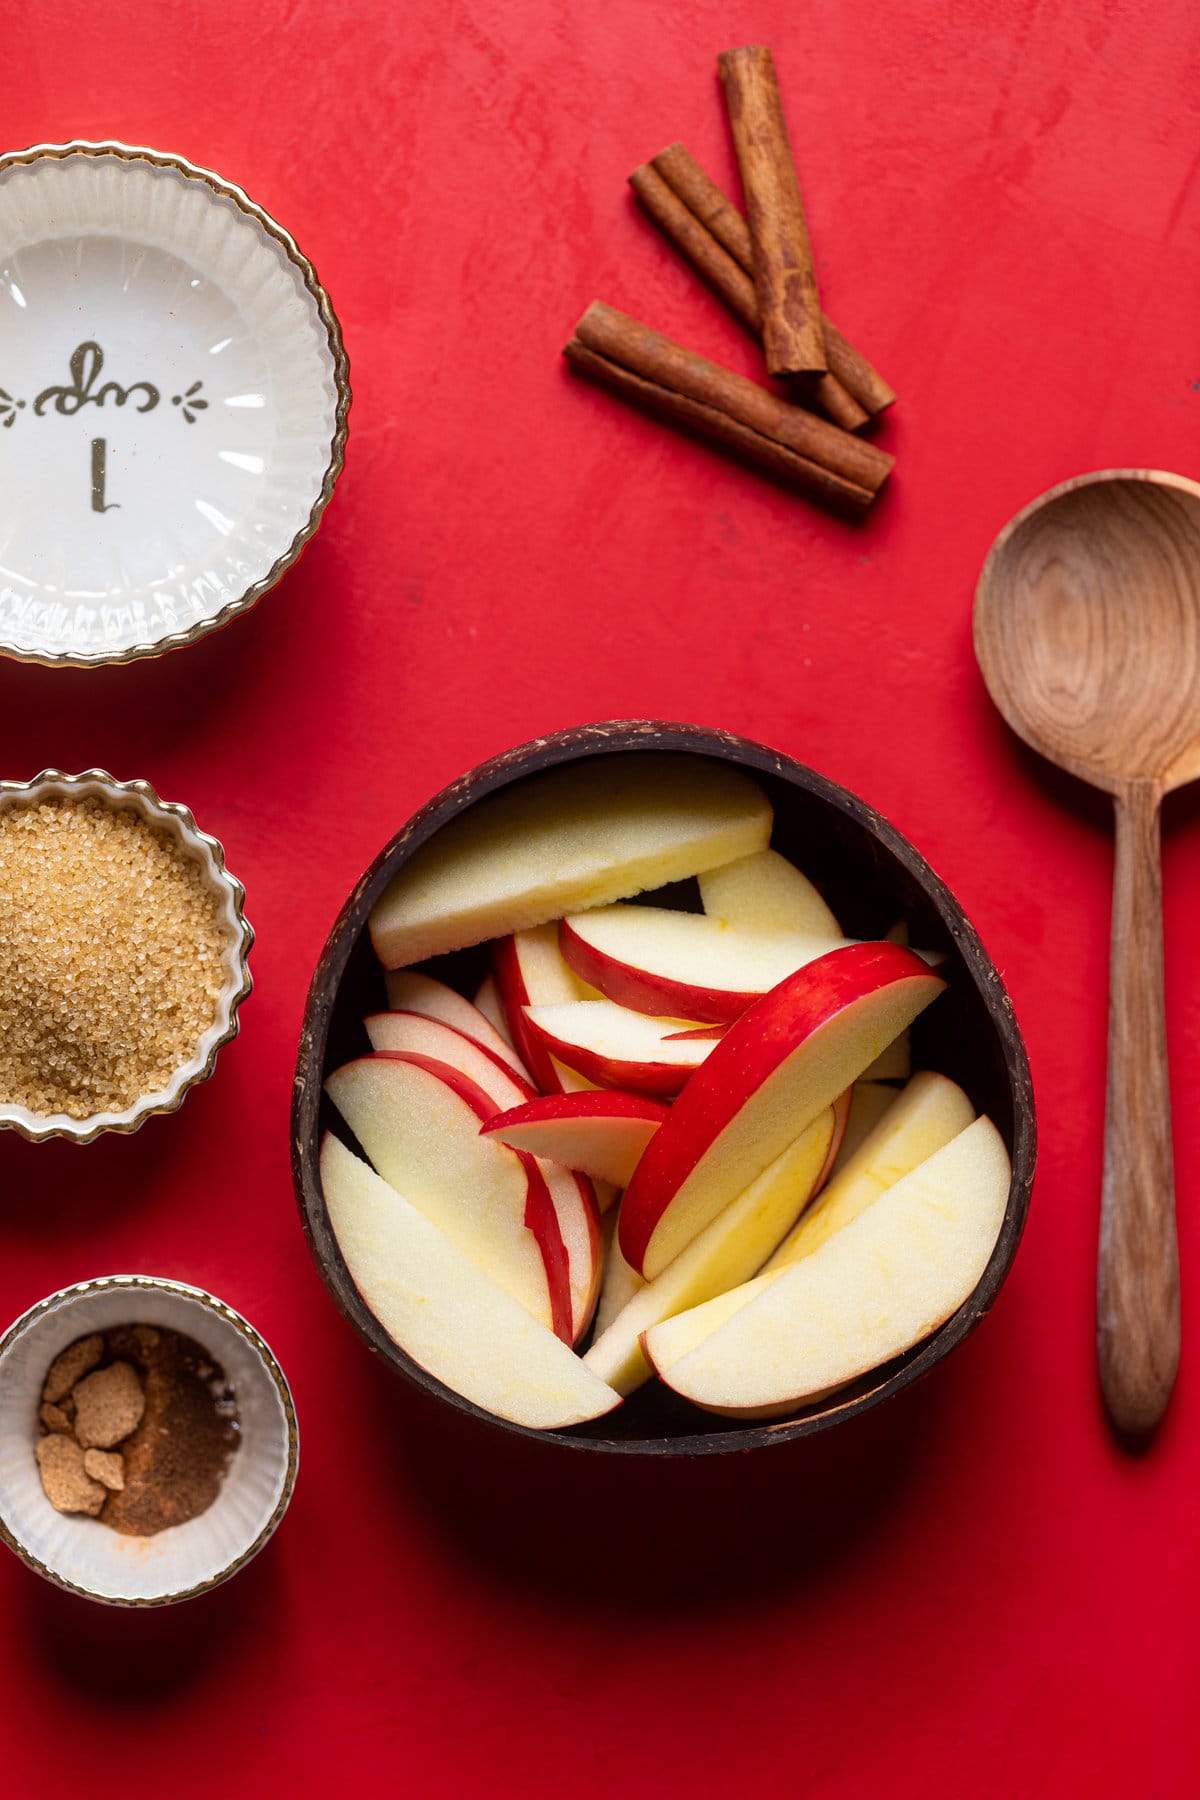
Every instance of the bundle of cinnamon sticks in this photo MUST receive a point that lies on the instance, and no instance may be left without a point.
(761, 266)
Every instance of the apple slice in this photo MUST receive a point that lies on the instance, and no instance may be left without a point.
(445, 1312)
(725, 1254)
(872, 1291)
(894, 1062)
(487, 999)
(682, 964)
(418, 1121)
(616, 1048)
(410, 991)
(601, 1132)
(619, 1283)
(607, 1194)
(529, 970)
(574, 836)
(777, 1067)
(765, 892)
(868, 1103)
(572, 1197)
(930, 1112)
(446, 1043)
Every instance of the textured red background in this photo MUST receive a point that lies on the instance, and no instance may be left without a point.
(971, 1590)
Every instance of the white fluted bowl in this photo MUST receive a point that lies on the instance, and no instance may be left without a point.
(89, 1558)
(173, 401)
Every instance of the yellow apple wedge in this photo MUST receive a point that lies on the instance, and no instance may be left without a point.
(579, 835)
(894, 1062)
(726, 1253)
(868, 1103)
(619, 1283)
(872, 1291)
(930, 1111)
(778, 1066)
(445, 1312)
(765, 892)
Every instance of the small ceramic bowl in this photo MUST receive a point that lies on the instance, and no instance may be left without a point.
(169, 816)
(89, 1558)
(871, 876)
(173, 402)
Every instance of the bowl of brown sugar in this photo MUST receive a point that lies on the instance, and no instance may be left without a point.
(148, 1442)
(124, 952)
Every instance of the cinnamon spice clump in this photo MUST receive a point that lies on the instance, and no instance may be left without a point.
(143, 1436)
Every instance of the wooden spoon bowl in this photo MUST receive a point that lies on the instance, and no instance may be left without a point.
(1087, 630)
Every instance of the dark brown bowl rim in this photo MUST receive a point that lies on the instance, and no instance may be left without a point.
(611, 737)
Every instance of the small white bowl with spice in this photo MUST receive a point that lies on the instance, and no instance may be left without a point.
(124, 950)
(148, 1440)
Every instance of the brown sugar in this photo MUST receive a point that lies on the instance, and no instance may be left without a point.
(178, 1421)
(68, 1368)
(109, 1403)
(69, 1487)
(111, 956)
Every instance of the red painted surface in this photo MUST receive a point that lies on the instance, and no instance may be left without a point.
(972, 1590)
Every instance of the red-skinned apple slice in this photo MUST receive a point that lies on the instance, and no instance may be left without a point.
(447, 1313)
(418, 1121)
(617, 1048)
(529, 970)
(574, 1199)
(778, 1066)
(408, 990)
(600, 1131)
(871, 1291)
(726, 1253)
(427, 1036)
(681, 965)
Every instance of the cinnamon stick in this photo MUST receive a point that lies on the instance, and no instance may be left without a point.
(658, 359)
(784, 278)
(730, 282)
(718, 215)
(796, 472)
(806, 452)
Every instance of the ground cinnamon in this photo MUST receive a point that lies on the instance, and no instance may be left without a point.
(784, 278)
(143, 1437)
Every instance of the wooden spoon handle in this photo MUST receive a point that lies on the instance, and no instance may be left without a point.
(1137, 1322)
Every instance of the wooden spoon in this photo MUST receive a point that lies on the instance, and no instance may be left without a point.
(1087, 629)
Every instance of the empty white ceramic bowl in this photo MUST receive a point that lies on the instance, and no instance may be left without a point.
(173, 401)
(89, 1558)
(169, 816)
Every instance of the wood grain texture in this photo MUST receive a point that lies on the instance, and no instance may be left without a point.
(1087, 630)
(1137, 1291)
(783, 265)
